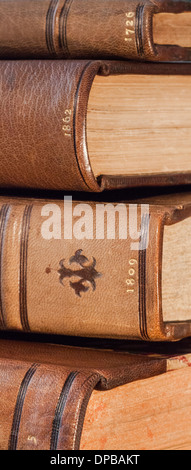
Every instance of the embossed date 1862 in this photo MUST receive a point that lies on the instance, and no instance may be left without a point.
(66, 127)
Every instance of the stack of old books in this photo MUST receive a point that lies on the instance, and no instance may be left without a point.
(95, 224)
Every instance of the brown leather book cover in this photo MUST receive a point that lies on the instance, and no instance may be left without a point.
(45, 390)
(95, 269)
(58, 397)
(43, 141)
(87, 29)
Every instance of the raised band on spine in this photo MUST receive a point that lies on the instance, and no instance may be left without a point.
(139, 29)
(142, 276)
(60, 410)
(50, 20)
(63, 28)
(23, 267)
(3, 219)
(19, 406)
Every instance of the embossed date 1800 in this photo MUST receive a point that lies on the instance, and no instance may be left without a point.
(131, 275)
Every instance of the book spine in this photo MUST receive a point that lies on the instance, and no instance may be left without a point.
(43, 117)
(43, 141)
(43, 401)
(85, 29)
(83, 269)
(43, 405)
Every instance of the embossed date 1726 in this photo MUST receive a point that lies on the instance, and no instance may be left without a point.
(130, 26)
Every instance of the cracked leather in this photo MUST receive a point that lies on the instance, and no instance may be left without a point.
(46, 388)
(117, 29)
(43, 124)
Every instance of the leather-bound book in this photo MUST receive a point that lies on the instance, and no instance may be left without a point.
(94, 125)
(149, 30)
(95, 269)
(55, 397)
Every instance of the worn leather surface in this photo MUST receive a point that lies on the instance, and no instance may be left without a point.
(78, 285)
(45, 390)
(86, 29)
(43, 107)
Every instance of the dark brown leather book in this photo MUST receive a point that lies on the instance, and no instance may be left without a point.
(95, 269)
(94, 125)
(151, 30)
(45, 390)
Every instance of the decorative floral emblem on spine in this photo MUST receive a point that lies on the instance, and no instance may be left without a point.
(86, 273)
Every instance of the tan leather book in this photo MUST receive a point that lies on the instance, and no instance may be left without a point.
(92, 269)
(66, 398)
(95, 28)
(90, 125)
